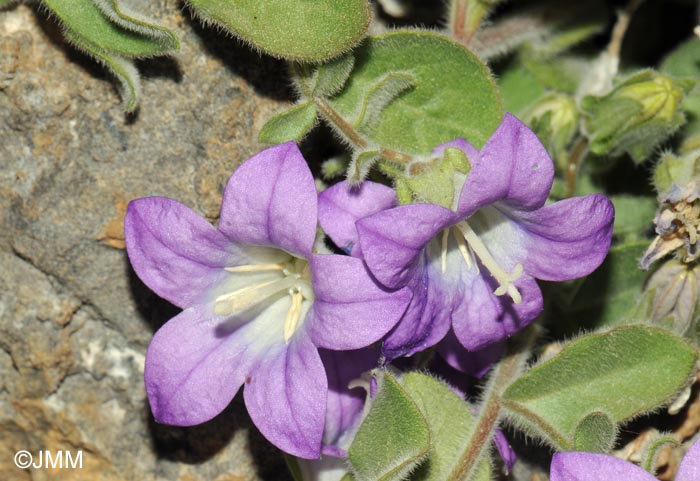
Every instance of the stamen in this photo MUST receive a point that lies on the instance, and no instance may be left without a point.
(242, 299)
(463, 249)
(443, 252)
(505, 280)
(256, 268)
(293, 315)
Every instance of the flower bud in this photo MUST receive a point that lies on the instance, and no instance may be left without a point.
(678, 169)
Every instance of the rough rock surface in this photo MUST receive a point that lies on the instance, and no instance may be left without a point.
(74, 319)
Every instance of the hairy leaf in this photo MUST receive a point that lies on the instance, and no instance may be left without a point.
(129, 19)
(293, 124)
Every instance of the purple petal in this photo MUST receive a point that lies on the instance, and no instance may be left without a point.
(579, 466)
(345, 405)
(391, 240)
(341, 205)
(271, 200)
(350, 309)
(286, 398)
(192, 372)
(568, 239)
(474, 363)
(504, 450)
(482, 318)
(513, 167)
(461, 144)
(174, 251)
(689, 469)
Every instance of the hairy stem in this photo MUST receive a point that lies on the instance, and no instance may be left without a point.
(505, 372)
(346, 129)
(620, 28)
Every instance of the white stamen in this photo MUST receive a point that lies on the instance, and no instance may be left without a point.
(463, 249)
(242, 299)
(255, 268)
(505, 280)
(443, 252)
(293, 315)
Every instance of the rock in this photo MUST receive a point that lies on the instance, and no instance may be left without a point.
(74, 319)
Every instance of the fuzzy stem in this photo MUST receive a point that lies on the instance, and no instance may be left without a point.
(466, 16)
(620, 28)
(505, 372)
(346, 129)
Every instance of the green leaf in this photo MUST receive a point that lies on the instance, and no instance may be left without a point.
(684, 62)
(362, 161)
(449, 420)
(625, 372)
(379, 96)
(394, 437)
(519, 88)
(305, 30)
(129, 19)
(454, 96)
(595, 433)
(293, 124)
(123, 69)
(87, 21)
(324, 80)
(608, 294)
(634, 216)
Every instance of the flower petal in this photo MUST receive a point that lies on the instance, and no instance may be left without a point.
(350, 309)
(461, 144)
(689, 469)
(343, 204)
(345, 405)
(579, 466)
(286, 398)
(271, 200)
(505, 450)
(568, 239)
(185, 382)
(392, 239)
(174, 251)
(474, 363)
(513, 166)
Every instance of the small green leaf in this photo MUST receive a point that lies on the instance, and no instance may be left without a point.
(305, 30)
(449, 419)
(595, 433)
(455, 95)
(324, 80)
(362, 162)
(379, 95)
(123, 69)
(293, 124)
(129, 19)
(625, 372)
(394, 437)
(87, 21)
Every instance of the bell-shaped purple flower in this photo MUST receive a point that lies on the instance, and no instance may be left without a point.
(580, 466)
(472, 268)
(257, 302)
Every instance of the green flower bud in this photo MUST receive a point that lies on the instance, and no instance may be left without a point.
(678, 169)
(636, 116)
(554, 118)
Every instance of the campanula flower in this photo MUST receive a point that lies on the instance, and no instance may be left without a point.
(472, 268)
(580, 466)
(257, 302)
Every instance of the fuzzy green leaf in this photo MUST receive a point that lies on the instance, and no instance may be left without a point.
(518, 88)
(379, 96)
(293, 124)
(123, 69)
(595, 433)
(394, 437)
(324, 80)
(454, 96)
(625, 372)
(449, 419)
(87, 21)
(129, 19)
(305, 30)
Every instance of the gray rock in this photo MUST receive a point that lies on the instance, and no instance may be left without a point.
(74, 319)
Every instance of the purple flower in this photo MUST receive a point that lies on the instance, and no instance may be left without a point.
(473, 267)
(579, 466)
(258, 303)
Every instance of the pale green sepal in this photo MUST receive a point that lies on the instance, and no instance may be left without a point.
(303, 30)
(293, 124)
(129, 19)
(362, 162)
(554, 118)
(323, 80)
(435, 180)
(678, 169)
(379, 95)
(455, 95)
(87, 21)
(625, 372)
(394, 437)
(449, 420)
(595, 433)
(123, 69)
